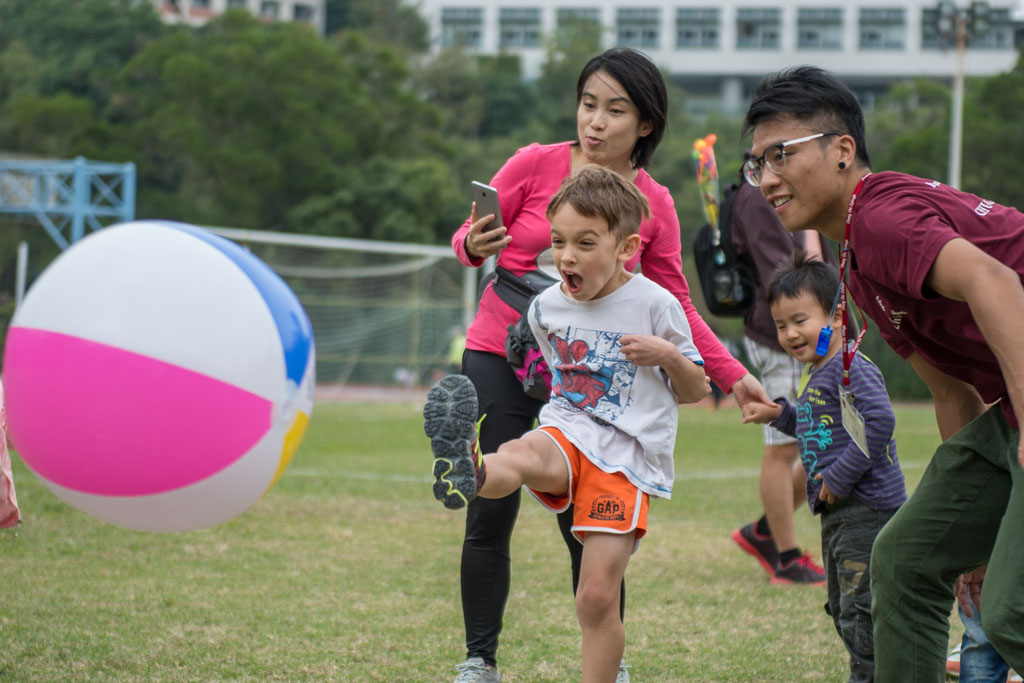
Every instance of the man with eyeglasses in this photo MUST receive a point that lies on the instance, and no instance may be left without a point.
(939, 271)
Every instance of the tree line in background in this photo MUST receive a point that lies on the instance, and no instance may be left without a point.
(364, 134)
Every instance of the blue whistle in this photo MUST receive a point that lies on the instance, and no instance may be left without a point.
(824, 338)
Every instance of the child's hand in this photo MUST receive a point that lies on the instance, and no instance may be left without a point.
(825, 495)
(647, 350)
(686, 378)
(760, 413)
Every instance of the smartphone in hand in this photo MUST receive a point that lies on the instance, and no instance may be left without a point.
(486, 198)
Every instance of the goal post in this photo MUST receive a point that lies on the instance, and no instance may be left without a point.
(383, 313)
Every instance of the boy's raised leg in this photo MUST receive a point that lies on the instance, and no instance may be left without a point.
(449, 419)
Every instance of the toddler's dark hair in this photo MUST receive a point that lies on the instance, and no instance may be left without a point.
(804, 274)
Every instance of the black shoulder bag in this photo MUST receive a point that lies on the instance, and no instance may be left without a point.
(521, 347)
(727, 282)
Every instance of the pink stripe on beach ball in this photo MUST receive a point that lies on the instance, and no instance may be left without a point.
(98, 419)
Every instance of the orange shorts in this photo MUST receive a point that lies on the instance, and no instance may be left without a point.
(604, 502)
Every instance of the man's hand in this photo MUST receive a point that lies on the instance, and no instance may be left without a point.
(969, 586)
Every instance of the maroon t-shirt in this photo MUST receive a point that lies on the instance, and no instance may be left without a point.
(900, 223)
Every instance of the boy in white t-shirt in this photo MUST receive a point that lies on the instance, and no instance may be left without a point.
(621, 356)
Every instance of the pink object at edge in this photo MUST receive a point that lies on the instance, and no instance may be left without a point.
(10, 515)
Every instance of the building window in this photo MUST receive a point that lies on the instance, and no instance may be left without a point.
(574, 16)
(930, 38)
(237, 4)
(758, 28)
(269, 9)
(302, 12)
(639, 27)
(201, 4)
(999, 36)
(883, 29)
(819, 29)
(462, 26)
(520, 27)
(697, 28)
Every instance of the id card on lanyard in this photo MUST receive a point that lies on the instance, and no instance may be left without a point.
(853, 421)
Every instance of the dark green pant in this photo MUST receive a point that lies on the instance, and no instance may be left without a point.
(967, 510)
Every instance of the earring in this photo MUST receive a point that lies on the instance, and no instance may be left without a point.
(842, 165)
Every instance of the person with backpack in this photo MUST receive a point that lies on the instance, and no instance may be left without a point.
(758, 239)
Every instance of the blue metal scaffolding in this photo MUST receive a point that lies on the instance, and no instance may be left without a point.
(67, 197)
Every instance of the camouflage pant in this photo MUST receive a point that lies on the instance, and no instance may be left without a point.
(848, 531)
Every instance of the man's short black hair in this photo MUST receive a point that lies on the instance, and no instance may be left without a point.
(813, 96)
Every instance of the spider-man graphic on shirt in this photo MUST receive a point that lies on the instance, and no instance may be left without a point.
(591, 373)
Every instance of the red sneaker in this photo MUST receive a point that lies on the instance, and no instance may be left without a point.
(953, 662)
(761, 547)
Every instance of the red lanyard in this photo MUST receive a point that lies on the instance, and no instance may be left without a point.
(843, 257)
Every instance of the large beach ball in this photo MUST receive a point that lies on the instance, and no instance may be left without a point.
(158, 377)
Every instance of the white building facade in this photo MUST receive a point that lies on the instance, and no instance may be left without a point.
(718, 49)
(198, 12)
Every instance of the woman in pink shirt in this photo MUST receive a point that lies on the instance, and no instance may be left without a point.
(622, 105)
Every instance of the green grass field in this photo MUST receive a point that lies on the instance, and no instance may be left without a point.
(348, 570)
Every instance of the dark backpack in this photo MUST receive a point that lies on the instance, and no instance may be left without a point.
(728, 283)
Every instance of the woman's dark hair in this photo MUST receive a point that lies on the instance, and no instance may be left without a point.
(812, 96)
(646, 88)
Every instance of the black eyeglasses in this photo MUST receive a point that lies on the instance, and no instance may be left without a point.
(774, 158)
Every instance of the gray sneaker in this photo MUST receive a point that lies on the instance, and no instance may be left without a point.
(450, 420)
(623, 675)
(475, 670)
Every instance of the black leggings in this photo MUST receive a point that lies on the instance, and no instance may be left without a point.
(486, 558)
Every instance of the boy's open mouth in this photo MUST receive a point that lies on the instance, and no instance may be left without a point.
(573, 281)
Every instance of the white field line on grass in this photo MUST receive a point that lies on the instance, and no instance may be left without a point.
(704, 475)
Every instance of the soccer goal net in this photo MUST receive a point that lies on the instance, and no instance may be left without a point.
(383, 313)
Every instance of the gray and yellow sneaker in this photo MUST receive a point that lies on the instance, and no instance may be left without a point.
(476, 670)
(449, 419)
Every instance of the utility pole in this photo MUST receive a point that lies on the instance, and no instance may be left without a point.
(957, 25)
(956, 125)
